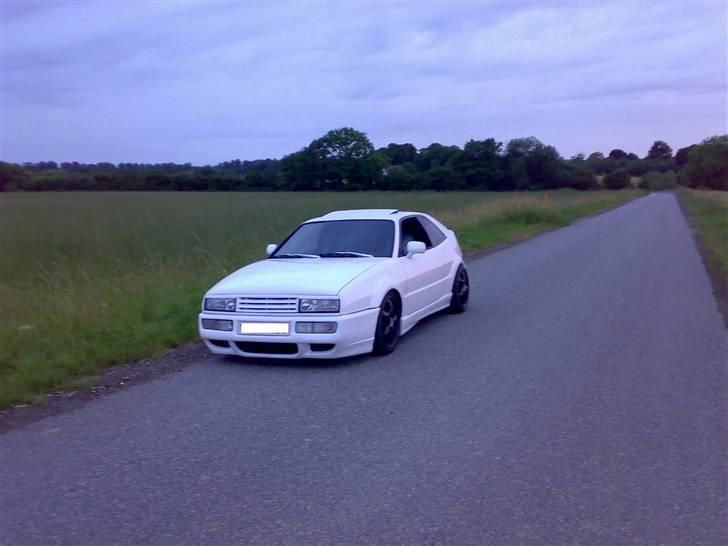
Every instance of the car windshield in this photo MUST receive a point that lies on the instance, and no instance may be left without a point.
(340, 239)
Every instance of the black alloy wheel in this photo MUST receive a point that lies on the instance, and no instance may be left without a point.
(388, 325)
(460, 291)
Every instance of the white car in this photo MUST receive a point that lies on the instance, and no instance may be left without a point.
(348, 283)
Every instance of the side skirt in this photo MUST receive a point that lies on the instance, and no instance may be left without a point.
(409, 321)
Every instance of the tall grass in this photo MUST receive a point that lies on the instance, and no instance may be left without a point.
(486, 224)
(92, 279)
(709, 210)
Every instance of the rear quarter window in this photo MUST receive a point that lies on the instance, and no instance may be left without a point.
(436, 236)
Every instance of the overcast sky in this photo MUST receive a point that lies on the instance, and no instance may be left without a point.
(208, 82)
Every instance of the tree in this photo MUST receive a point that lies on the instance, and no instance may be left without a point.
(479, 165)
(267, 179)
(616, 180)
(542, 162)
(515, 175)
(373, 170)
(523, 147)
(617, 154)
(303, 170)
(708, 163)
(344, 143)
(400, 178)
(543, 168)
(399, 154)
(681, 156)
(435, 155)
(11, 176)
(598, 164)
(341, 159)
(660, 150)
(576, 176)
(439, 179)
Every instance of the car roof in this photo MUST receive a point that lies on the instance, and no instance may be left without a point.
(363, 214)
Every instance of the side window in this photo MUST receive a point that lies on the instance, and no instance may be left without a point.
(436, 236)
(412, 230)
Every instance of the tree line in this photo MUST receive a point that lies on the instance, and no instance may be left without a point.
(345, 160)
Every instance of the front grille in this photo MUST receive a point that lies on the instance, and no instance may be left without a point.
(267, 305)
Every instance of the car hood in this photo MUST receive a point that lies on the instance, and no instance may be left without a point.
(293, 277)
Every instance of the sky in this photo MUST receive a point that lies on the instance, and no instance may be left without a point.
(209, 82)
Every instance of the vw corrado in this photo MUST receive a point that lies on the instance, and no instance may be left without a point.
(348, 283)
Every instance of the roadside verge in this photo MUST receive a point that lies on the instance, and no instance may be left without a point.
(707, 215)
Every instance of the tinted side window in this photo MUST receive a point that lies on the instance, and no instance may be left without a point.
(412, 230)
(436, 236)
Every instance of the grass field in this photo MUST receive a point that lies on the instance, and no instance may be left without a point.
(88, 280)
(709, 211)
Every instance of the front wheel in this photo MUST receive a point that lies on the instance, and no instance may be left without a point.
(460, 291)
(388, 325)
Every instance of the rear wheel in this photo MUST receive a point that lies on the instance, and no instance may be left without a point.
(460, 291)
(388, 325)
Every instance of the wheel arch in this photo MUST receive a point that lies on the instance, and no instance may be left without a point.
(397, 295)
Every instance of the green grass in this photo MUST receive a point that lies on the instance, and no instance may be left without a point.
(709, 211)
(88, 280)
(510, 219)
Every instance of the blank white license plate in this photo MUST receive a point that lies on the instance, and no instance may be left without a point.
(265, 328)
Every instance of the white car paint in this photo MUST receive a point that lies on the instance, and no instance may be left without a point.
(324, 277)
(423, 281)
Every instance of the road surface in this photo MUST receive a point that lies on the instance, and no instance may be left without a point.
(580, 400)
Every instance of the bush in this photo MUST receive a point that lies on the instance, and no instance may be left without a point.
(656, 181)
(11, 176)
(683, 178)
(576, 177)
(617, 180)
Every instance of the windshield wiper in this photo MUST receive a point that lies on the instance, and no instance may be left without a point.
(345, 254)
(295, 256)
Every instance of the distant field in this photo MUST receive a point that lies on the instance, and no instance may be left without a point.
(92, 279)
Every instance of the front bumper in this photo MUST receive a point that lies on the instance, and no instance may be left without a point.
(354, 335)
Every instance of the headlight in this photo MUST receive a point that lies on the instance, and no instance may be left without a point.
(220, 304)
(318, 306)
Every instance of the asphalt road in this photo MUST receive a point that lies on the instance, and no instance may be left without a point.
(580, 400)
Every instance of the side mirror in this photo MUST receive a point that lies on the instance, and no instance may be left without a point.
(270, 249)
(415, 247)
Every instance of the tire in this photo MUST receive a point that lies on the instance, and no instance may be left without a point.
(389, 322)
(460, 291)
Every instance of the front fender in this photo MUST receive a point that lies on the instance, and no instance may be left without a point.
(368, 290)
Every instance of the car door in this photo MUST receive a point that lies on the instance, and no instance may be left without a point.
(424, 271)
(443, 257)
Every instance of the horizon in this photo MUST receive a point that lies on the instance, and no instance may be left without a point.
(208, 83)
(503, 152)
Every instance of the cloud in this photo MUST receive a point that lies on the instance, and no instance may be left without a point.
(207, 82)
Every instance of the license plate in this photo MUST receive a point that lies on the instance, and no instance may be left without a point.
(265, 328)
